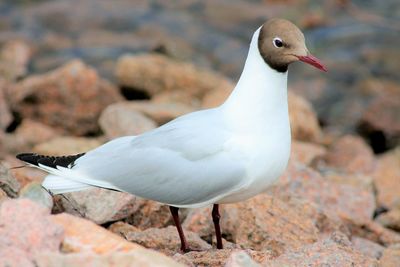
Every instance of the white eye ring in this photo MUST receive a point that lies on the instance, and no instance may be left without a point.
(277, 42)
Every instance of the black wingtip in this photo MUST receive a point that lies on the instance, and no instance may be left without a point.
(22, 155)
(50, 161)
(27, 157)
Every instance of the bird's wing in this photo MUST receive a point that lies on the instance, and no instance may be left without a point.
(184, 162)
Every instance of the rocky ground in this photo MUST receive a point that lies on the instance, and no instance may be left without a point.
(338, 203)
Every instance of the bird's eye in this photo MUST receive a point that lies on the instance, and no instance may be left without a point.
(277, 42)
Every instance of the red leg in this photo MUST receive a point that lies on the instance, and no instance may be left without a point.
(216, 216)
(175, 216)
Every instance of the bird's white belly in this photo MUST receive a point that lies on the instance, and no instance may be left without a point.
(265, 166)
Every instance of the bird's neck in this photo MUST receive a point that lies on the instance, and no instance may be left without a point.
(260, 96)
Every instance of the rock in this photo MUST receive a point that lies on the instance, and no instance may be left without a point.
(390, 257)
(221, 257)
(177, 97)
(216, 97)
(325, 222)
(386, 179)
(182, 259)
(303, 119)
(263, 223)
(5, 113)
(226, 244)
(3, 196)
(240, 259)
(266, 223)
(85, 236)
(305, 152)
(99, 205)
(14, 59)
(26, 230)
(390, 219)
(3, 149)
(14, 257)
(157, 74)
(159, 112)
(68, 99)
(119, 120)
(35, 192)
(7, 182)
(24, 133)
(166, 240)
(151, 214)
(373, 231)
(23, 140)
(88, 244)
(135, 258)
(351, 154)
(346, 113)
(200, 221)
(382, 114)
(341, 201)
(122, 228)
(61, 146)
(10, 144)
(327, 252)
(361, 181)
(367, 247)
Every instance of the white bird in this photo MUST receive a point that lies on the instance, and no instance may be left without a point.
(214, 156)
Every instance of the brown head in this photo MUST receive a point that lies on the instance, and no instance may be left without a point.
(280, 43)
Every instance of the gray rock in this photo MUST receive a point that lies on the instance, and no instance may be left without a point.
(8, 183)
(98, 205)
(135, 258)
(391, 256)
(35, 192)
(5, 113)
(3, 196)
(159, 112)
(166, 240)
(241, 259)
(327, 252)
(121, 120)
(367, 247)
(390, 219)
(14, 59)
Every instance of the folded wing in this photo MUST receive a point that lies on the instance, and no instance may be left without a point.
(183, 163)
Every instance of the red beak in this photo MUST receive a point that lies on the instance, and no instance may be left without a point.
(310, 59)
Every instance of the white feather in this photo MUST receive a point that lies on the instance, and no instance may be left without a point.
(59, 185)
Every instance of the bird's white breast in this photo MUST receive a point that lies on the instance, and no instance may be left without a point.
(266, 158)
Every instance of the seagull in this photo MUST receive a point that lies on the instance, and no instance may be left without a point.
(210, 157)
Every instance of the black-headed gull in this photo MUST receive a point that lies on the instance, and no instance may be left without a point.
(214, 156)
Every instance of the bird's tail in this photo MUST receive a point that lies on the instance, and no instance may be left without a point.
(57, 182)
(60, 185)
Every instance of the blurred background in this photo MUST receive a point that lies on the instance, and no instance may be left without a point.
(77, 73)
(357, 40)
